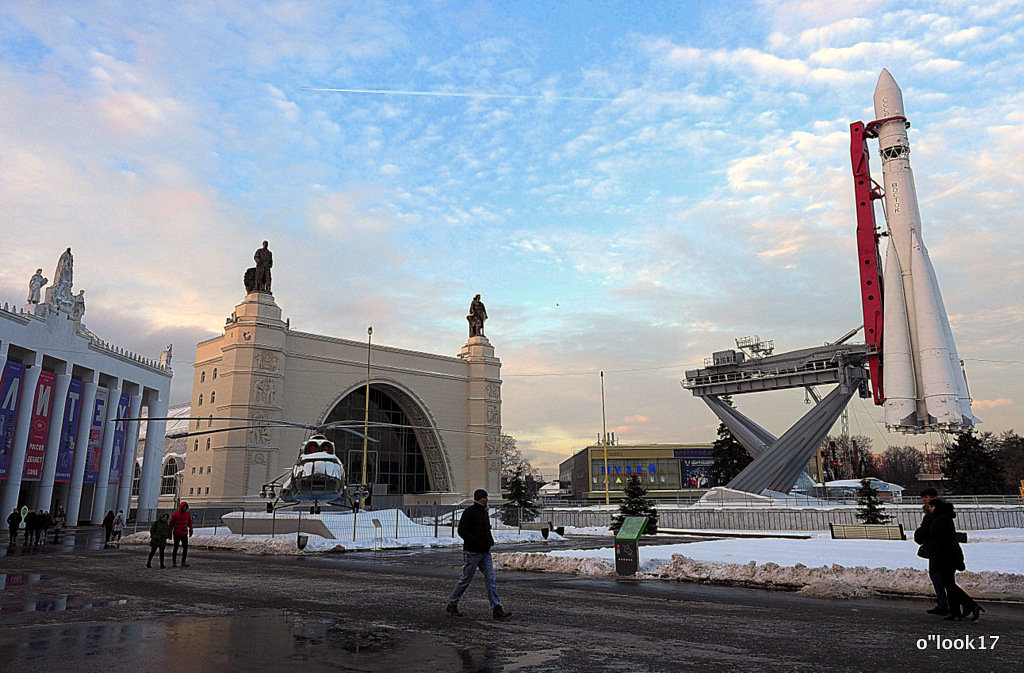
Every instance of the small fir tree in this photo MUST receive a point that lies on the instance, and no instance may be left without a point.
(869, 504)
(636, 504)
(519, 507)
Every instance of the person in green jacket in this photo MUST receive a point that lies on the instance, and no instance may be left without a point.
(159, 534)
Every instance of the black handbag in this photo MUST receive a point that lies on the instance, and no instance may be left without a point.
(924, 552)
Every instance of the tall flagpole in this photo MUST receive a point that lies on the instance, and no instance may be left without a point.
(366, 414)
(604, 443)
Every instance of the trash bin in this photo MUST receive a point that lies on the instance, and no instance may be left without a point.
(303, 539)
(627, 555)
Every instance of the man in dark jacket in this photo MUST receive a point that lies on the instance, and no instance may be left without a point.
(13, 524)
(30, 526)
(181, 529)
(475, 531)
(925, 536)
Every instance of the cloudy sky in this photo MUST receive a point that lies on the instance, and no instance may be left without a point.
(630, 186)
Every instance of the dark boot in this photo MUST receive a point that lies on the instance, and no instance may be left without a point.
(501, 613)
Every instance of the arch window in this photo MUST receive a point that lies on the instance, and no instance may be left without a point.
(196, 446)
(213, 396)
(207, 443)
(214, 377)
(136, 479)
(397, 459)
(209, 423)
(200, 399)
(168, 479)
(202, 376)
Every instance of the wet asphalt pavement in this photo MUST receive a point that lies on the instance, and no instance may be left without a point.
(79, 607)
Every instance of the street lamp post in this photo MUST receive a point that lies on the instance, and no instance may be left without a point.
(366, 415)
(604, 444)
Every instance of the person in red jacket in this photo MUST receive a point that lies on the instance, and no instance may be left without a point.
(181, 529)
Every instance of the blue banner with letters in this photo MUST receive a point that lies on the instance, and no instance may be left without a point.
(92, 458)
(69, 432)
(117, 455)
(10, 396)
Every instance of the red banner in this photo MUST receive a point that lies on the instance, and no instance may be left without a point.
(40, 425)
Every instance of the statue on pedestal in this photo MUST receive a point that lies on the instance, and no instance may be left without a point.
(257, 278)
(58, 295)
(35, 284)
(79, 307)
(477, 316)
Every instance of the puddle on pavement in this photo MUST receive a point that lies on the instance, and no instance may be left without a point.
(269, 640)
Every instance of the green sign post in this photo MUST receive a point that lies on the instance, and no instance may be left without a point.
(627, 556)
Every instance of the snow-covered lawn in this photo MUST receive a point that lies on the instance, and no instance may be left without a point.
(817, 565)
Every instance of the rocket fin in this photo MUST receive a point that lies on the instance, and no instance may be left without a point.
(899, 382)
(941, 377)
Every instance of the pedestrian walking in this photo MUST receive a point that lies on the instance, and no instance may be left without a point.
(118, 527)
(949, 558)
(43, 523)
(58, 523)
(925, 536)
(13, 524)
(475, 531)
(108, 527)
(30, 526)
(181, 529)
(159, 534)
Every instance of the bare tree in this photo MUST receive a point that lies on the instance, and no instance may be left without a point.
(902, 464)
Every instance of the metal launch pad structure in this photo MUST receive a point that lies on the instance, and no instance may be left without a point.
(908, 362)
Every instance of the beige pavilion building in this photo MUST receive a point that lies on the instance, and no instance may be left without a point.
(261, 369)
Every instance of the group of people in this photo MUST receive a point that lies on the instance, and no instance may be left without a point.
(37, 525)
(939, 544)
(179, 527)
(114, 527)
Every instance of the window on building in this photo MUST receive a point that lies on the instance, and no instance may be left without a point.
(209, 423)
(196, 446)
(169, 479)
(136, 479)
(214, 377)
(190, 491)
(207, 490)
(202, 377)
(209, 468)
(207, 443)
(200, 399)
(193, 470)
(213, 396)
(200, 470)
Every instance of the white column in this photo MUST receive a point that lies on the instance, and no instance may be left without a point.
(131, 441)
(60, 391)
(152, 457)
(74, 501)
(99, 501)
(17, 462)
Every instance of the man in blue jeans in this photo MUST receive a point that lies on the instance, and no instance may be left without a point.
(475, 531)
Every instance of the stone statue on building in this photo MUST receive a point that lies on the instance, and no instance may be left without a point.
(165, 357)
(477, 316)
(78, 311)
(35, 285)
(58, 295)
(264, 260)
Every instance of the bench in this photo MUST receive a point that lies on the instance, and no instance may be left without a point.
(867, 531)
(544, 527)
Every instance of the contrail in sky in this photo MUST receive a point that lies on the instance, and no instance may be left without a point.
(459, 94)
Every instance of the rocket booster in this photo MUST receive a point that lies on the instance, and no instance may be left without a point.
(923, 381)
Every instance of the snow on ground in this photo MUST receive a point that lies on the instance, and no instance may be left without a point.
(818, 565)
(412, 534)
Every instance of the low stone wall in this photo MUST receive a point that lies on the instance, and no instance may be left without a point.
(750, 518)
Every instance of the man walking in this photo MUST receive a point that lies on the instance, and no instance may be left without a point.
(925, 536)
(475, 531)
(181, 528)
(13, 524)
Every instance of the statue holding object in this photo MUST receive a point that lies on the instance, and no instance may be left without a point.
(477, 316)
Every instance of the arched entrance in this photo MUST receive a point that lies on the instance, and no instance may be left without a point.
(408, 459)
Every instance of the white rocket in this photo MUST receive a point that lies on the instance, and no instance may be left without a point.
(922, 378)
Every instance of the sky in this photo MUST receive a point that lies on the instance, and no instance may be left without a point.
(629, 186)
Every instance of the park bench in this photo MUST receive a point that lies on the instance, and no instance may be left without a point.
(544, 527)
(867, 531)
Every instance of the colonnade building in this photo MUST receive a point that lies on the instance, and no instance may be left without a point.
(62, 390)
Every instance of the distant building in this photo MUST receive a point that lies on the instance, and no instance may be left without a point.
(667, 470)
(172, 465)
(848, 489)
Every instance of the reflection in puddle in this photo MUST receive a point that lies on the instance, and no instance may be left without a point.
(266, 640)
(57, 604)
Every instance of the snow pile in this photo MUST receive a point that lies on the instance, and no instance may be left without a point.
(835, 589)
(554, 564)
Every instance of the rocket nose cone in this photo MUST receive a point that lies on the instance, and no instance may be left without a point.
(888, 97)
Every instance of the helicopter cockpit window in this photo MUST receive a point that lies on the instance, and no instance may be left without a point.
(312, 447)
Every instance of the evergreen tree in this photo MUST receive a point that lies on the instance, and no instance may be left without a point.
(729, 455)
(869, 504)
(636, 504)
(519, 502)
(972, 467)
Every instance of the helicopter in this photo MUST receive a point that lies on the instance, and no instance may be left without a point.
(317, 476)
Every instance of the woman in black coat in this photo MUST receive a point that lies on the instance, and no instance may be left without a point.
(948, 557)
